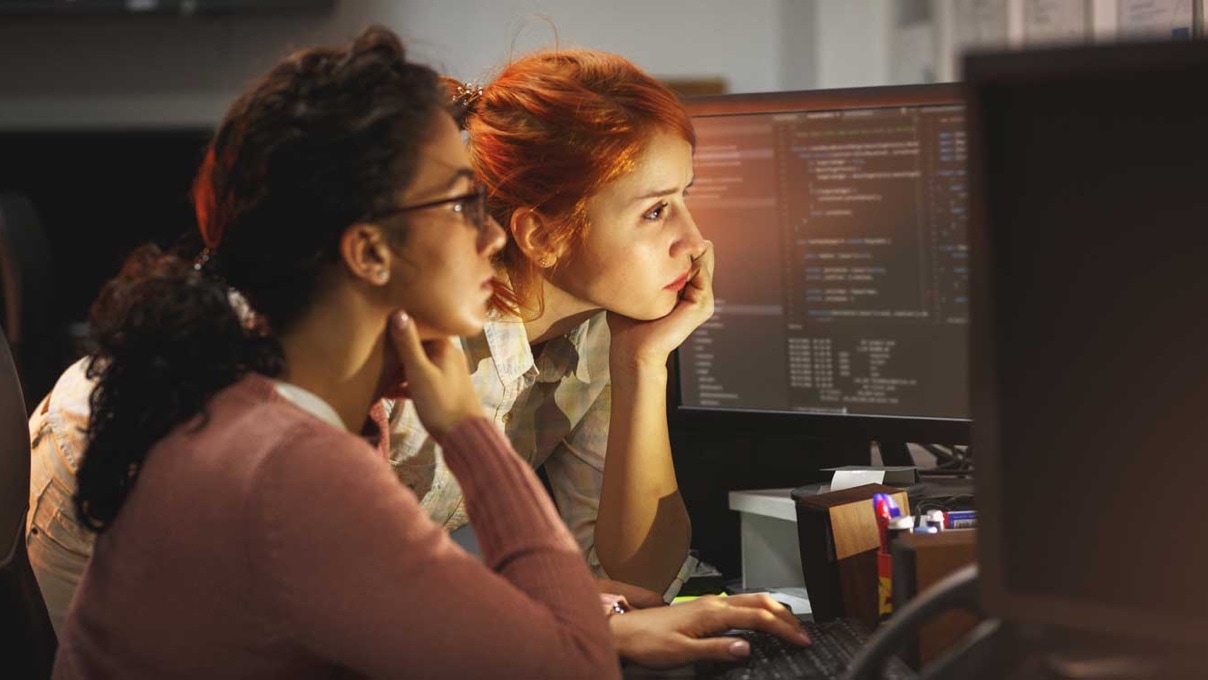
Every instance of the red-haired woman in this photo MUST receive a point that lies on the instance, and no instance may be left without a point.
(586, 161)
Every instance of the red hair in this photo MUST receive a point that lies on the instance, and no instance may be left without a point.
(549, 133)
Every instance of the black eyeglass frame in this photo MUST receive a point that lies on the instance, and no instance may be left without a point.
(478, 217)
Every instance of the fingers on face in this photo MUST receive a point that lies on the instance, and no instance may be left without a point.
(398, 391)
(445, 351)
(405, 338)
(705, 263)
(420, 357)
(700, 283)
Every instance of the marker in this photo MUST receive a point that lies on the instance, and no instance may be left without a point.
(894, 510)
(880, 507)
(880, 504)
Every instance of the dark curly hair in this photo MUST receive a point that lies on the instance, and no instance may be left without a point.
(324, 140)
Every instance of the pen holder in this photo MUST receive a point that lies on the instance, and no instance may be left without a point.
(839, 541)
(884, 585)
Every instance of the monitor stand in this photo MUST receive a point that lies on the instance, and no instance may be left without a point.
(895, 453)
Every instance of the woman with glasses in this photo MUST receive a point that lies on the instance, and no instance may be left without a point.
(244, 528)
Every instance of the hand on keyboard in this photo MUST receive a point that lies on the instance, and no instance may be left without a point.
(835, 644)
(671, 636)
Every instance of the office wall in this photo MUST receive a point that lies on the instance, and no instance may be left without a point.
(138, 71)
(162, 71)
(798, 44)
(852, 42)
(737, 40)
(955, 26)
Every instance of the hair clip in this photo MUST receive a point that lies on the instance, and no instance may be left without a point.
(202, 259)
(467, 95)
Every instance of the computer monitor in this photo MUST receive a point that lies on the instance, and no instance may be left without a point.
(839, 223)
(1090, 338)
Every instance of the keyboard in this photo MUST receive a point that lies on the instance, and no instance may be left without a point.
(835, 643)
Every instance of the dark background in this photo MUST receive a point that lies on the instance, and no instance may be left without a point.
(97, 195)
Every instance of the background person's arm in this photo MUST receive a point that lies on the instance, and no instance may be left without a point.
(642, 531)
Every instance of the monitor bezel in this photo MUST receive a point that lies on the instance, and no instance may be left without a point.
(983, 71)
(826, 426)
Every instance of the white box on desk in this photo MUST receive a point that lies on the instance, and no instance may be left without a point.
(771, 556)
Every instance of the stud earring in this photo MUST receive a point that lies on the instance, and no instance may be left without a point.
(382, 275)
(546, 261)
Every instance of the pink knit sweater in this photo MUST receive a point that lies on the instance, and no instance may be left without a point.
(270, 544)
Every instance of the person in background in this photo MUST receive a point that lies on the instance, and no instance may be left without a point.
(587, 161)
(244, 528)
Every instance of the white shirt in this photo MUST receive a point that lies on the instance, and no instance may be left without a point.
(554, 408)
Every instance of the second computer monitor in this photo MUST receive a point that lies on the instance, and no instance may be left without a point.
(1090, 338)
(839, 221)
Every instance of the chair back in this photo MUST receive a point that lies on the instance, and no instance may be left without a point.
(27, 639)
(27, 296)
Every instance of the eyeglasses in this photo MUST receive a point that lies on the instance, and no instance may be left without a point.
(472, 207)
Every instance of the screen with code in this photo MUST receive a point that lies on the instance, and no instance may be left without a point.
(842, 262)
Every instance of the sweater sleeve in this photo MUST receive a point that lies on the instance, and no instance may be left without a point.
(351, 568)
